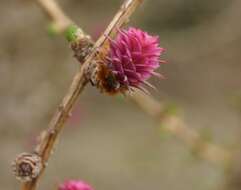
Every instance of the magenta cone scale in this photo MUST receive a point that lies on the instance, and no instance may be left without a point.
(133, 58)
(74, 185)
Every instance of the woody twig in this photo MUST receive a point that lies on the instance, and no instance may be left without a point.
(62, 23)
(171, 123)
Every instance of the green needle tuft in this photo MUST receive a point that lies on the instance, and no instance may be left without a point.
(71, 33)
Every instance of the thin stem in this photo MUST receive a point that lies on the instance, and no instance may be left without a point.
(58, 18)
(46, 145)
(176, 126)
(45, 148)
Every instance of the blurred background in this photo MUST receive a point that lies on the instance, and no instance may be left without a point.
(109, 142)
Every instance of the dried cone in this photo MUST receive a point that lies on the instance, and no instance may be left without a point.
(27, 166)
(130, 61)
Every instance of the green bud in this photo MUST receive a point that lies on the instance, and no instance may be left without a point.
(71, 33)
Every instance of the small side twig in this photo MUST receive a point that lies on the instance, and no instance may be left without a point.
(177, 127)
(45, 147)
(59, 20)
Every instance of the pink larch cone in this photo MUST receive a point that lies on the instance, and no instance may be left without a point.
(132, 59)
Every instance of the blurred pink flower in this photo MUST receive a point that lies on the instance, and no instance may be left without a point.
(74, 185)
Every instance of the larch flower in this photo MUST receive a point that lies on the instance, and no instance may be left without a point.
(74, 185)
(131, 59)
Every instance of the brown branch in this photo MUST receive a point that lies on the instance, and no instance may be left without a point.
(173, 124)
(46, 145)
(45, 148)
(176, 126)
(58, 18)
